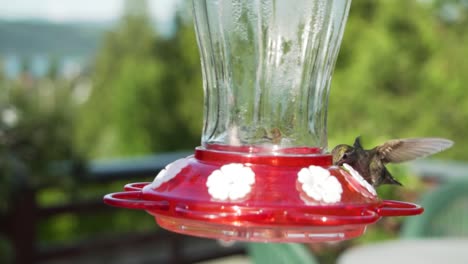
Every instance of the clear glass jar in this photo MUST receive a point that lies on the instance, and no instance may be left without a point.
(267, 67)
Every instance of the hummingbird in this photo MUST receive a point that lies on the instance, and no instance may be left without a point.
(370, 163)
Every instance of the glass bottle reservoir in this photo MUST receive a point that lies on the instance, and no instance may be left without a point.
(267, 67)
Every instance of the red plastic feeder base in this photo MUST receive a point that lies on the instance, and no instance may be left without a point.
(275, 198)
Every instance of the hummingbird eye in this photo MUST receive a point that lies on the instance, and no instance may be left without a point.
(345, 155)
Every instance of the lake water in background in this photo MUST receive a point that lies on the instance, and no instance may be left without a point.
(39, 65)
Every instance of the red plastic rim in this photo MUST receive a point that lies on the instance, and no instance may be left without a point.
(320, 216)
(398, 208)
(312, 157)
(132, 200)
(136, 186)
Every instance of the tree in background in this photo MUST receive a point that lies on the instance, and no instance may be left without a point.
(36, 130)
(399, 75)
(145, 97)
(182, 81)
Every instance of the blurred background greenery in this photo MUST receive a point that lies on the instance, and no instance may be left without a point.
(129, 88)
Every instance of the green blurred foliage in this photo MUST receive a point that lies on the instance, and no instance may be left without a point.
(36, 128)
(147, 94)
(400, 74)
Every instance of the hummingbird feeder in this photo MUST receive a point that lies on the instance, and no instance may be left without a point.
(262, 172)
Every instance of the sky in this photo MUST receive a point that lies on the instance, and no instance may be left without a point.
(78, 10)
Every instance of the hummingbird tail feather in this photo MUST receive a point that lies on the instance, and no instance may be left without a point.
(387, 178)
(391, 180)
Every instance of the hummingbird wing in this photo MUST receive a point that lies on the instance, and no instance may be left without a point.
(400, 150)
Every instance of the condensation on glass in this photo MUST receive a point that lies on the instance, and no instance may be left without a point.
(267, 66)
